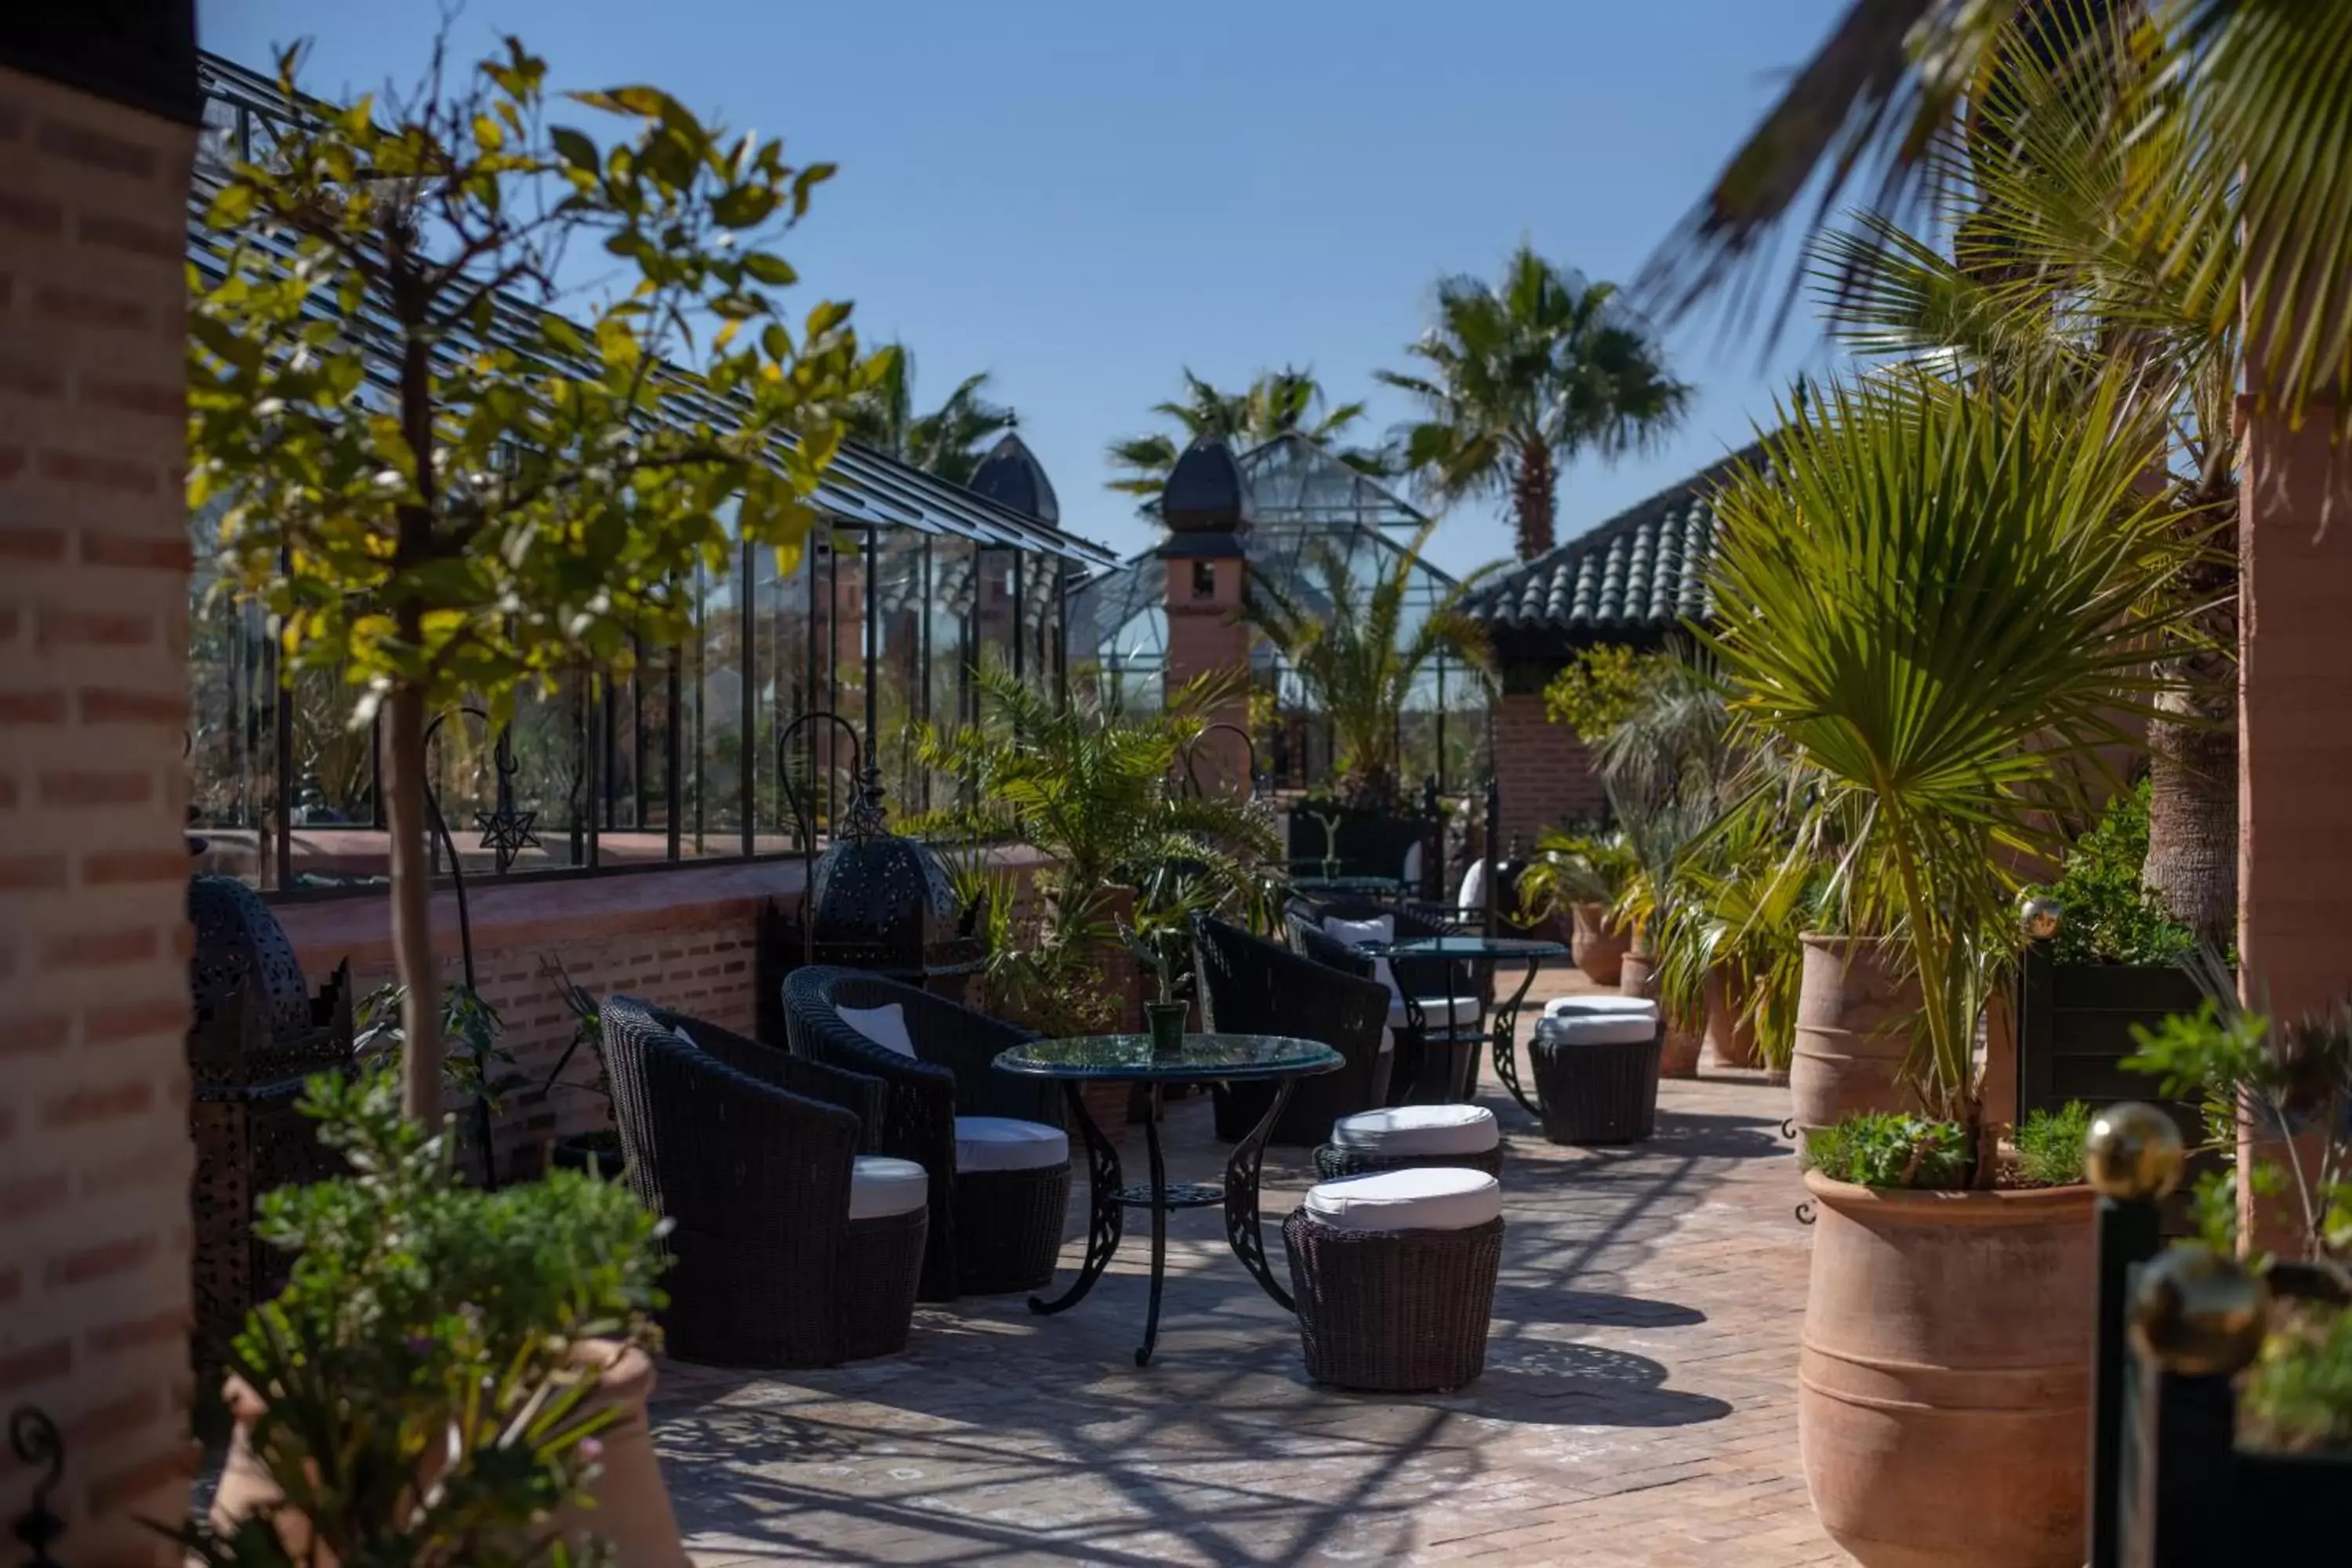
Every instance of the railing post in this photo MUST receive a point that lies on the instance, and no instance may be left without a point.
(1493, 851)
(2133, 1156)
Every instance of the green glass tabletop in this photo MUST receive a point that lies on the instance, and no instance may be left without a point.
(1204, 1057)
(1465, 947)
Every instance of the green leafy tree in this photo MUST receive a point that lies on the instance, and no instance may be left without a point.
(1523, 377)
(1355, 648)
(950, 441)
(442, 487)
(1936, 599)
(1286, 402)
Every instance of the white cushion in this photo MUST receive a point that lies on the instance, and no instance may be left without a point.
(684, 1037)
(1597, 1028)
(1592, 1003)
(1418, 1130)
(885, 1025)
(1435, 1012)
(1003, 1143)
(1437, 1197)
(1355, 934)
(880, 1186)
(1411, 873)
(1472, 893)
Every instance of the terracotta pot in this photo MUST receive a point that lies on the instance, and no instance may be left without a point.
(1943, 1395)
(1853, 1030)
(1729, 1036)
(1597, 946)
(631, 1511)
(1678, 1054)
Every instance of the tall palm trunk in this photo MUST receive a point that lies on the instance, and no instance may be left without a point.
(2193, 763)
(1532, 498)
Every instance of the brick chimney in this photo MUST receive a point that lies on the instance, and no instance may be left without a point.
(1207, 509)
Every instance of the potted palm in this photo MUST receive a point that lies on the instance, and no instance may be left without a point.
(1162, 941)
(1584, 875)
(1934, 597)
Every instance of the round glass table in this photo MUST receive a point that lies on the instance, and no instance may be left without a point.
(1204, 1058)
(1459, 1047)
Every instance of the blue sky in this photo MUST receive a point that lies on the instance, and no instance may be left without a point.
(1082, 196)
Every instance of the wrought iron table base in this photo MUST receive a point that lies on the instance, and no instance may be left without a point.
(1506, 1031)
(1108, 1201)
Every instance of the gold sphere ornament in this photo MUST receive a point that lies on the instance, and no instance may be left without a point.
(2200, 1314)
(2133, 1151)
(2038, 917)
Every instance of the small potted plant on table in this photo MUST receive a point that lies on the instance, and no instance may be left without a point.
(1162, 941)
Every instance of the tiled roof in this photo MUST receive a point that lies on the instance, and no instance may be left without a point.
(1643, 569)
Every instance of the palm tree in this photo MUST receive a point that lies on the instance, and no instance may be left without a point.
(1937, 602)
(1348, 643)
(950, 441)
(1287, 402)
(2053, 272)
(1525, 377)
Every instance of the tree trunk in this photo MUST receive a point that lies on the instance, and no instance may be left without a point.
(411, 906)
(1532, 498)
(2192, 805)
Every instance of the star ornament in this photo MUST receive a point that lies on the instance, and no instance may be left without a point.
(508, 832)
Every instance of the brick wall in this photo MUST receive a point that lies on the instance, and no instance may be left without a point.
(94, 1150)
(1543, 770)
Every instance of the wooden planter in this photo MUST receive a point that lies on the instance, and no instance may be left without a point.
(1944, 1391)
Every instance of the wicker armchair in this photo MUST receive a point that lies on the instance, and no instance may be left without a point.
(992, 1231)
(751, 1156)
(1414, 1074)
(1252, 987)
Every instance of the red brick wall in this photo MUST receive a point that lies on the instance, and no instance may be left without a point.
(1543, 771)
(94, 1150)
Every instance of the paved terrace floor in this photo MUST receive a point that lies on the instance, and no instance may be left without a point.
(1638, 1406)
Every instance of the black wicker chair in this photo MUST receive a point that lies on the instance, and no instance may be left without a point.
(1412, 1077)
(750, 1154)
(1252, 987)
(992, 1231)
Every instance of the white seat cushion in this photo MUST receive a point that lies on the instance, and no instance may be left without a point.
(1597, 1028)
(880, 1186)
(1412, 872)
(1435, 1012)
(1472, 892)
(1355, 934)
(885, 1025)
(1593, 1004)
(1436, 1197)
(1003, 1143)
(1420, 1129)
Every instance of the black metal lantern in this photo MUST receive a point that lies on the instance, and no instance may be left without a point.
(875, 900)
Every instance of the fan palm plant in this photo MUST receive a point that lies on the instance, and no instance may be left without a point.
(1937, 599)
(1521, 379)
(1286, 402)
(950, 441)
(1354, 649)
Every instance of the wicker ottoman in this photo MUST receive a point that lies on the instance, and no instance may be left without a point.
(1012, 1195)
(1596, 1075)
(1409, 1137)
(881, 1256)
(1394, 1276)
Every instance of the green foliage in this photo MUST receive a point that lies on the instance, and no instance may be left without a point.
(1350, 649)
(1597, 689)
(2297, 1395)
(529, 497)
(1522, 376)
(950, 441)
(480, 1067)
(1287, 402)
(587, 1028)
(428, 1330)
(1569, 868)
(1876, 1149)
(1934, 599)
(2050, 1144)
(2105, 915)
(2295, 1086)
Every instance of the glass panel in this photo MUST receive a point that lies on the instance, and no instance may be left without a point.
(550, 779)
(950, 663)
(781, 688)
(711, 696)
(993, 611)
(900, 688)
(845, 634)
(232, 723)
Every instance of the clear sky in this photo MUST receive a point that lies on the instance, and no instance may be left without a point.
(1082, 196)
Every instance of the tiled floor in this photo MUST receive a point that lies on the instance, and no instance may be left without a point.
(1638, 1405)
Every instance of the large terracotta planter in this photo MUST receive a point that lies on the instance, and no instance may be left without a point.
(1678, 1054)
(632, 1512)
(1597, 946)
(1729, 1036)
(1855, 1019)
(1943, 1395)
